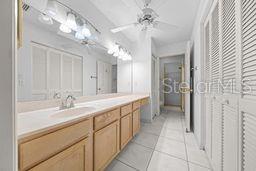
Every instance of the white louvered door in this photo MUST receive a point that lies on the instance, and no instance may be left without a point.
(230, 67)
(215, 90)
(247, 103)
(55, 71)
(208, 113)
(237, 99)
(238, 74)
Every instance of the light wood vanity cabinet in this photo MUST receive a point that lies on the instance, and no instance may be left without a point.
(126, 109)
(106, 118)
(135, 122)
(86, 145)
(41, 151)
(106, 145)
(126, 129)
(73, 158)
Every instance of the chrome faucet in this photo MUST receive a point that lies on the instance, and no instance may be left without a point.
(66, 104)
(56, 95)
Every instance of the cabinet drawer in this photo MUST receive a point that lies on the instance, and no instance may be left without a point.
(39, 149)
(144, 101)
(106, 118)
(126, 109)
(72, 158)
(136, 105)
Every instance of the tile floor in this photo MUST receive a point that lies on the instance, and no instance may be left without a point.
(162, 146)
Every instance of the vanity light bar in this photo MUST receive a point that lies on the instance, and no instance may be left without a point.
(119, 52)
(77, 15)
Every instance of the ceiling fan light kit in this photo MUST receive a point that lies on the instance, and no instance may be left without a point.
(147, 19)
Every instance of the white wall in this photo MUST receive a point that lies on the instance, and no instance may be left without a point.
(142, 73)
(33, 32)
(172, 49)
(124, 76)
(196, 39)
(8, 150)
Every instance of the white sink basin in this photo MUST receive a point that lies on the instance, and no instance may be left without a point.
(72, 112)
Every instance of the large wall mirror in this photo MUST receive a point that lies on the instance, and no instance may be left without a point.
(55, 61)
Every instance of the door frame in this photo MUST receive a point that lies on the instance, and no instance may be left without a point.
(188, 88)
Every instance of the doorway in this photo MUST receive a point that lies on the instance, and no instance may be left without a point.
(192, 92)
(172, 96)
(104, 80)
(170, 69)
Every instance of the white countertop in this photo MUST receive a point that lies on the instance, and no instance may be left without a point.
(38, 121)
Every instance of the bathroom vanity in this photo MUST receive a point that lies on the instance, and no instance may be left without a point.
(86, 137)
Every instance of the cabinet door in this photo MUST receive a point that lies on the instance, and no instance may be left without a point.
(126, 129)
(73, 158)
(136, 121)
(106, 145)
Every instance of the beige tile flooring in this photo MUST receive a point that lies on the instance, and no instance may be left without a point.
(162, 146)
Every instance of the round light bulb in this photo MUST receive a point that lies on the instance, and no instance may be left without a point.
(110, 51)
(71, 21)
(45, 19)
(116, 54)
(86, 32)
(79, 35)
(65, 28)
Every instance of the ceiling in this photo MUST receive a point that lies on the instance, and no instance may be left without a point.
(178, 12)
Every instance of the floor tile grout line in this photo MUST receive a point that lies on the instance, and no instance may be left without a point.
(127, 165)
(199, 165)
(183, 133)
(143, 145)
(173, 156)
(172, 139)
(154, 150)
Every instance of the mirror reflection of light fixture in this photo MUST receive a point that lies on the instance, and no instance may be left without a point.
(116, 54)
(119, 52)
(71, 21)
(51, 8)
(113, 49)
(64, 28)
(79, 35)
(86, 32)
(43, 18)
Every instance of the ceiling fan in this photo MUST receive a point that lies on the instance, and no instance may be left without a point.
(145, 20)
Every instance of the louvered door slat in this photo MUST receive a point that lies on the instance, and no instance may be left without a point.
(230, 139)
(249, 47)
(215, 49)
(249, 141)
(207, 52)
(216, 135)
(229, 45)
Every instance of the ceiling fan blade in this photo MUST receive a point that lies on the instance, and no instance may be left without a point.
(121, 28)
(164, 26)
